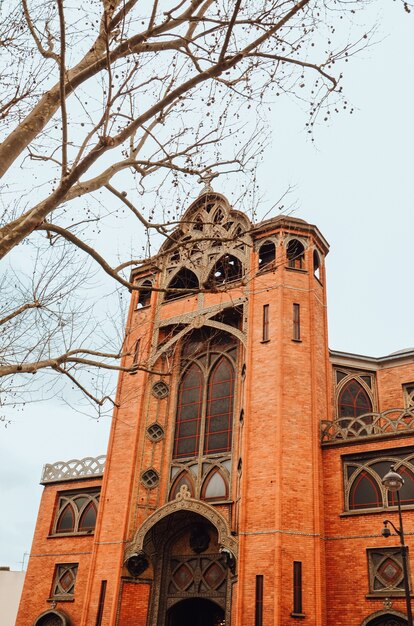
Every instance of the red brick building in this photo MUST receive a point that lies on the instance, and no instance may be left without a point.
(242, 483)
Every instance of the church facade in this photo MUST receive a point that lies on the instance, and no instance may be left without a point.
(243, 480)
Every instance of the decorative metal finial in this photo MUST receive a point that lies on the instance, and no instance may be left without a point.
(206, 178)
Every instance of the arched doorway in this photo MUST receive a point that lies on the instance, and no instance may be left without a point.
(195, 612)
(385, 619)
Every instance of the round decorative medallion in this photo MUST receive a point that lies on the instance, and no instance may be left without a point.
(160, 389)
(155, 432)
(150, 479)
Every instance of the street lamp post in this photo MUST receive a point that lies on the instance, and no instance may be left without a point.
(393, 482)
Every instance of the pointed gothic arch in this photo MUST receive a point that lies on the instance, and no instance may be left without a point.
(184, 502)
(385, 618)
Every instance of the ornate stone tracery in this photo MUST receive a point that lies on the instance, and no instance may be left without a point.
(209, 229)
(184, 502)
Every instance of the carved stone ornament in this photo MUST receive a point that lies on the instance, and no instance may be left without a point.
(137, 563)
(184, 502)
(228, 559)
(387, 603)
(199, 538)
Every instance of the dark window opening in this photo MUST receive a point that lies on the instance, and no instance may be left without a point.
(353, 402)
(295, 254)
(365, 492)
(316, 265)
(232, 316)
(265, 328)
(406, 492)
(190, 396)
(227, 269)
(258, 618)
(219, 415)
(297, 587)
(198, 224)
(144, 297)
(66, 521)
(363, 474)
(184, 283)
(296, 322)
(267, 255)
(218, 216)
(101, 603)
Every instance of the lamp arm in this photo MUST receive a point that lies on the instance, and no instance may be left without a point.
(397, 530)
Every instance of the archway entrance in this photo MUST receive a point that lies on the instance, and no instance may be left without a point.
(195, 612)
(387, 619)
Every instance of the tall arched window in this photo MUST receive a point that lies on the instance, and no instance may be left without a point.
(354, 400)
(295, 253)
(219, 416)
(205, 404)
(184, 283)
(365, 492)
(190, 398)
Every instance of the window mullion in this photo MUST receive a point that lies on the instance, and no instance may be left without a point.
(206, 374)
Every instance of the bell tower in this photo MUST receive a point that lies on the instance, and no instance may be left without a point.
(210, 508)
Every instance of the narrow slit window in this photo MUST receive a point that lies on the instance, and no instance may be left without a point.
(296, 322)
(101, 603)
(258, 620)
(136, 356)
(297, 588)
(265, 334)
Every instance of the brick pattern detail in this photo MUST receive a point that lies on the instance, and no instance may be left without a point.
(134, 602)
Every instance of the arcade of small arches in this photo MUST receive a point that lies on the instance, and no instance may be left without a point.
(210, 250)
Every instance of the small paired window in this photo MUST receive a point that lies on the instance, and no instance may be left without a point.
(214, 487)
(295, 253)
(64, 580)
(76, 513)
(363, 476)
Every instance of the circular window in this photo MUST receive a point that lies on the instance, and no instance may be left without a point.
(160, 389)
(150, 479)
(155, 432)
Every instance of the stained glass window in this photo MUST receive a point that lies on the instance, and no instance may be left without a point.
(354, 400)
(204, 416)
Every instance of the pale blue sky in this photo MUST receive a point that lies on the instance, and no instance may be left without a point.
(355, 184)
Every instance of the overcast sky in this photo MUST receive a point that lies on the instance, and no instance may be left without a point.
(355, 184)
